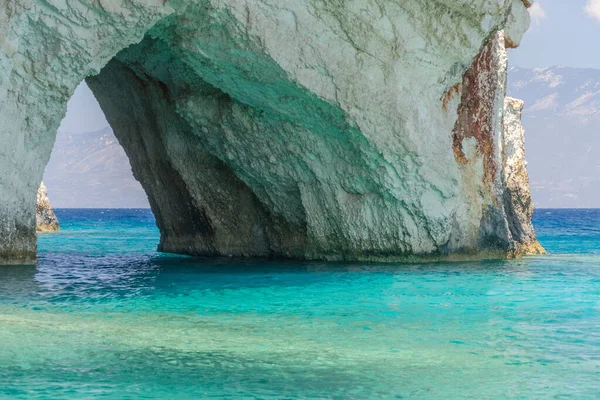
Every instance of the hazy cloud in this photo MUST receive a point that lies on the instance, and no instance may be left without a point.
(538, 14)
(592, 9)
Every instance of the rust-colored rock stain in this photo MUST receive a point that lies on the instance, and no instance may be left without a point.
(449, 95)
(509, 44)
(480, 87)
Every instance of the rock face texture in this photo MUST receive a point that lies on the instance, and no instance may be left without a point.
(308, 129)
(517, 196)
(45, 218)
(489, 148)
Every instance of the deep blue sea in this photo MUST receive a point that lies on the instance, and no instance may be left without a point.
(103, 316)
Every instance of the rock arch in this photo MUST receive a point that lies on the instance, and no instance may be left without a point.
(306, 129)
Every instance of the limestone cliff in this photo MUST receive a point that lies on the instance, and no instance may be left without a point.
(517, 196)
(45, 218)
(307, 129)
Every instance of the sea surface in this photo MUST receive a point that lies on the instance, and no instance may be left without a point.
(103, 316)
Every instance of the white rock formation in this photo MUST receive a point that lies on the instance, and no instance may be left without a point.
(517, 196)
(296, 128)
(45, 218)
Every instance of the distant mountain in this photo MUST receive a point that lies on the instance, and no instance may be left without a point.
(91, 170)
(562, 123)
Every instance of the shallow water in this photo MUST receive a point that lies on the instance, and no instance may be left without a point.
(104, 316)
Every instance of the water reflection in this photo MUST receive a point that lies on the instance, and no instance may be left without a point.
(17, 280)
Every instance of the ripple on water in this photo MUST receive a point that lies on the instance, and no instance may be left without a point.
(108, 317)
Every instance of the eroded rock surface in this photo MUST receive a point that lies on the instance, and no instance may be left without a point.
(489, 148)
(306, 129)
(45, 218)
(517, 196)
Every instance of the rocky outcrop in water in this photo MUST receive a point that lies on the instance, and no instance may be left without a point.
(517, 196)
(303, 129)
(45, 218)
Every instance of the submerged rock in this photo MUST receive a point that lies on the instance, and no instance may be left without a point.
(45, 218)
(302, 129)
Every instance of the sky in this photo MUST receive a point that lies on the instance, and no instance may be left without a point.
(562, 32)
(83, 113)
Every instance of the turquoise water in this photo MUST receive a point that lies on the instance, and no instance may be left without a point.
(104, 316)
